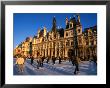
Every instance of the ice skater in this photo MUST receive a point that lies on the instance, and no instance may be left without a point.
(20, 62)
(77, 61)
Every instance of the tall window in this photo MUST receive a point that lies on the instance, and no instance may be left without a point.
(72, 43)
(66, 33)
(87, 42)
(61, 44)
(67, 43)
(92, 42)
(50, 45)
(54, 36)
(71, 32)
(80, 42)
(79, 30)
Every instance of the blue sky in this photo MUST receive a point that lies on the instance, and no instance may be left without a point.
(27, 24)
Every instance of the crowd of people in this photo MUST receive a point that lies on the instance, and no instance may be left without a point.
(20, 61)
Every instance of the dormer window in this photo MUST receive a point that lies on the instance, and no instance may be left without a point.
(70, 25)
(94, 32)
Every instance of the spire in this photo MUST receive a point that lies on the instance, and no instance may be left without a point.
(78, 18)
(74, 17)
(67, 23)
(38, 32)
(45, 31)
(66, 20)
(54, 24)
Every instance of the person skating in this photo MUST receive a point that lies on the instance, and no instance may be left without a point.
(59, 60)
(47, 59)
(20, 62)
(42, 60)
(53, 60)
(88, 56)
(72, 60)
(32, 59)
(38, 61)
(76, 61)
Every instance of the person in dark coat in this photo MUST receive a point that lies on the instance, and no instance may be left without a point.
(88, 56)
(53, 59)
(76, 66)
(76, 63)
(47, 59)
(32, 59)
(38, 62)
(42, 60)
(72, 60)
(59, 60)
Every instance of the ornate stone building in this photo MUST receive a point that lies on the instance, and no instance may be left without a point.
(24, 47)
(58, 42)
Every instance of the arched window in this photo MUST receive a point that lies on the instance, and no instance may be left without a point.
(92, 42)
(67, 43)
(72, 43)
(79, 30)
(66, 33)
(87, 42)
(70, 25)
(79, 41)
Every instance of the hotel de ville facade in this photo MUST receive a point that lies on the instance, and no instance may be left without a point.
(58, 42)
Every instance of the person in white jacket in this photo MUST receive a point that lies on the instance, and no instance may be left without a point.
(20, 62)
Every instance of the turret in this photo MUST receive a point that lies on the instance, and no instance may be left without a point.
(45, 31)
(66, 20)
(38, 32)
(54, 25)
(78, 18)
(67, 23)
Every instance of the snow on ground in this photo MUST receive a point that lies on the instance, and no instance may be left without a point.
(31, 70)
(65, 68)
